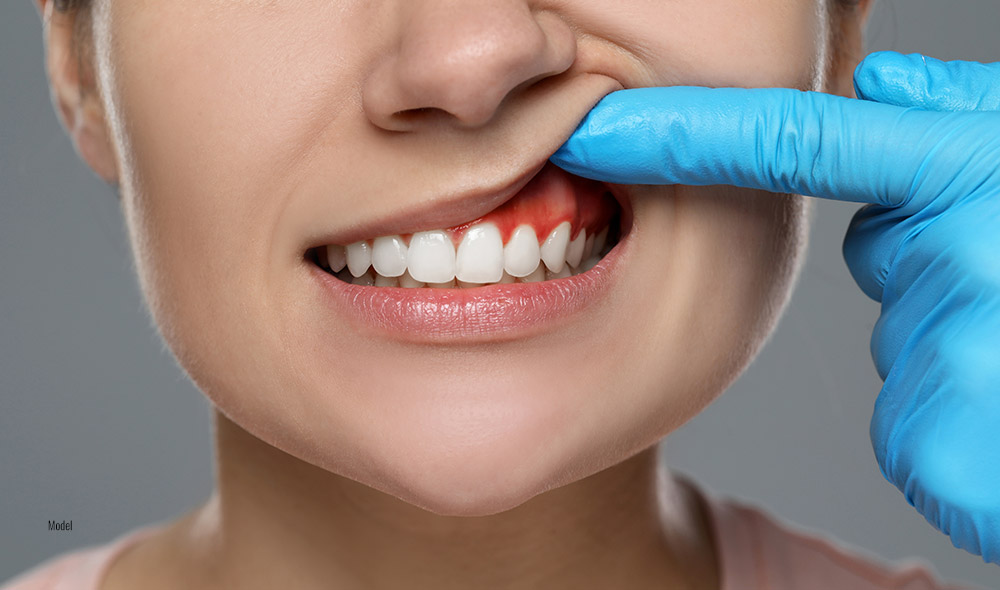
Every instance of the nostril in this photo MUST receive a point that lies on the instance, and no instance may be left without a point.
(412, 112)
(413, 116)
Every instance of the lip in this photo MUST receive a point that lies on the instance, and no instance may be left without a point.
(441, 213)
(490, 313)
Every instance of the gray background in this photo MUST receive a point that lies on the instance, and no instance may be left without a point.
(97, 424)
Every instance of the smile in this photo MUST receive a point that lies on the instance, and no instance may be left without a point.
(547, 252)
(573, 216)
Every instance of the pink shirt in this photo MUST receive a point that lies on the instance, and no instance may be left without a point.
(757, 551)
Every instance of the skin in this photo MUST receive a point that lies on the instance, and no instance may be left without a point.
(239, 131)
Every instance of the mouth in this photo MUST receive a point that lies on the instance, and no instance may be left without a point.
(558, 225)
(546, 252)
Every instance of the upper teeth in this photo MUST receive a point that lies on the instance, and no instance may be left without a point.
(522, 253)
(481, 256)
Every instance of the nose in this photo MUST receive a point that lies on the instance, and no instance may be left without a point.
(459, 60)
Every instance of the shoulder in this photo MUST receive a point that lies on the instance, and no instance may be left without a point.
(759, 550)
(69, 571)
(55, 572)
(81, 569)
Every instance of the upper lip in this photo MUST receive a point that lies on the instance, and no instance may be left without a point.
(439, 214)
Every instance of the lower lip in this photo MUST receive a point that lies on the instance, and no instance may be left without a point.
(491, 313)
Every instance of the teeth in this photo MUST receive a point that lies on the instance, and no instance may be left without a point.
(588, 247)
(389, 256)
(359, 257)
(431, 257)
(480, 257)
(553, 250)
(574, 253)
(602, 239)
(431, 260)
(406, 281)
(367, 279)
(336, 257)
(521, 255)
(588, 264)
(381, 281)
(536, 276)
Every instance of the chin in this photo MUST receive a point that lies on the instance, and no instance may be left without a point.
(474, 457)
(465, 490)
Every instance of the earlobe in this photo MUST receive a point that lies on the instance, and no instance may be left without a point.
(74, 93)
(90, 136)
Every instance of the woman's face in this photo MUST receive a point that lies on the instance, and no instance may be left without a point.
(246, 133)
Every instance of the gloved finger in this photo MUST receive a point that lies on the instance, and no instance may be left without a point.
(924, 82)
(785, 141)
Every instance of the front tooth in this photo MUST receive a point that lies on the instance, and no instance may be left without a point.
(562, 274)
(535, 276)
(336, 257)
(553, 250)
(389, 256)
(408, 282)
(506, 279)
(466, 285)
(359, 257)
(480, 256)
(588, 247)
(381, 281)
(521, 255)
(574, 253)
(602, 239)
(431, 257)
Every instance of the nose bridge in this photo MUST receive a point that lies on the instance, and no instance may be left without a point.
(464, 57)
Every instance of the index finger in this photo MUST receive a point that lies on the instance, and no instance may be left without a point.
(776, 139)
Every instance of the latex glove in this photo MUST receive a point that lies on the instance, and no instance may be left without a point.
(927, 246)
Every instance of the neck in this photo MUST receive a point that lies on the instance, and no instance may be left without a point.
(277, 518)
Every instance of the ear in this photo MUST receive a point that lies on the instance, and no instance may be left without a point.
(848, 46)
(73, 91)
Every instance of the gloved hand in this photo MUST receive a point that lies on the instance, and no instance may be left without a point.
(923, 149)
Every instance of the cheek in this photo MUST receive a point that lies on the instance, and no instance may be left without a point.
(723, 269)
(744, 248)
(716, 269)
(756, 44)
(214, 110)
(746, 43)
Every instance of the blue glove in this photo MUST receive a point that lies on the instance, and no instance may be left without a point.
(923, 150)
